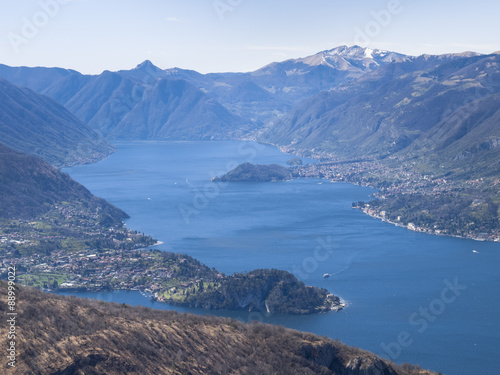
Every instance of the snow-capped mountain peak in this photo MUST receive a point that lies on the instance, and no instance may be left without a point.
(345, 58)
(363, 58)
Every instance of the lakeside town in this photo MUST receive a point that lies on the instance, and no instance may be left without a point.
(69, 248)
(411, 199)
(146, 270)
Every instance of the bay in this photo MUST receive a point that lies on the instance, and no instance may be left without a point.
(412, 297)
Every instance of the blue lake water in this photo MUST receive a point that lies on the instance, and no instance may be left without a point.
(412, 297)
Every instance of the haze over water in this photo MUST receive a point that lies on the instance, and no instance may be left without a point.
(397, 282)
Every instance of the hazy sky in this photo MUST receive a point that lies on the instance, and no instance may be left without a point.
(233, 35)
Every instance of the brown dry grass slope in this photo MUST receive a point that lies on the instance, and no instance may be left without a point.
(67, 335)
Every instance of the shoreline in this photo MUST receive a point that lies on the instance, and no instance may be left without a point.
(154, 297)
(334, 306)
(340, 305)
(414, 228)
(410, 226)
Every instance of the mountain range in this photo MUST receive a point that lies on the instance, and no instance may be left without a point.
(135, 104)
(150, 103)
(416, 108)
(38, 125)
(343, 102)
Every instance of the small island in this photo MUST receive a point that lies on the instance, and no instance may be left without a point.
(248, 172)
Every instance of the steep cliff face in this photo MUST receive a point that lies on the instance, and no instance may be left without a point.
(351, 361)
(327, 355)
(62, 335)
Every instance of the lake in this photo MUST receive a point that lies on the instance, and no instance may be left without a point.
(412, 297)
